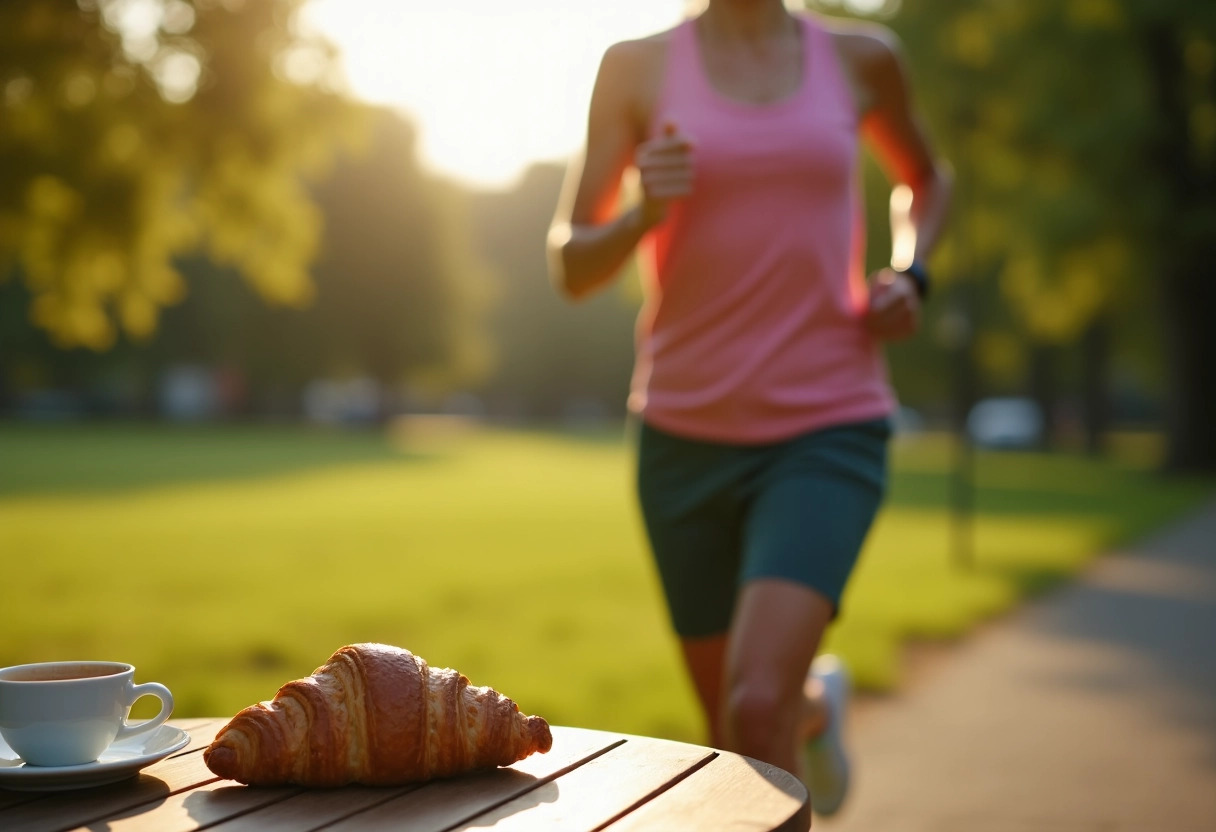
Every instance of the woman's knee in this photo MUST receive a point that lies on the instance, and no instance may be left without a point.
(758, 714)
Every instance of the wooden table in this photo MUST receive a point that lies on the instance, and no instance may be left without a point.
(590, 780)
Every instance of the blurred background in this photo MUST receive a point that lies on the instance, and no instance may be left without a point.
(281, 368)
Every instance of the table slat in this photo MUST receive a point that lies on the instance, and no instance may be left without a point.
(200, 727)
(63, 810)
(196, 808)
(443, 804)
(590, 794)
(201, 731)
(728, 793)
(603, 789)
(312, 809)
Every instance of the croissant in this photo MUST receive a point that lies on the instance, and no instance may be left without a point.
(377, 715)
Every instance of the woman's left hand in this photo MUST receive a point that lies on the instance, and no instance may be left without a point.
(894, 310)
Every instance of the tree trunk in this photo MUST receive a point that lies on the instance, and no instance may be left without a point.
(1190, 290)
(966, 391)
(1043, 390)
(1187, 254)
(1095, 397)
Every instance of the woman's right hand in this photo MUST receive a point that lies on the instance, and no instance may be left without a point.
(665, 166)
(591, 238)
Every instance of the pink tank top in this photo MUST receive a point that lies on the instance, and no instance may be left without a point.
(751, 329)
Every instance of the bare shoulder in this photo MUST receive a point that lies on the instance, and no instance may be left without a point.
(636, 60)
(872, 57)
(866, 46)
(633, 70)
(639, 52)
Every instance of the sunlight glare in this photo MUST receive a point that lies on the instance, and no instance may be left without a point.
(493, 86)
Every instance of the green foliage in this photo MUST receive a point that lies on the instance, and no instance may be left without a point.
(551, 353)
(135, 133)
(1083, 135)
(1036, 104)
(227, 561)
(1050, 111)
(401, 294)
(397, 294)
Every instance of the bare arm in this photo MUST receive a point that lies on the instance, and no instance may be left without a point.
(589, 241)
(920, 198)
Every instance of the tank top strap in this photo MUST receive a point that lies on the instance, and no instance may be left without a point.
(825, 76)
(682, 80)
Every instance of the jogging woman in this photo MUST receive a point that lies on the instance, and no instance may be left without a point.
(760, 385)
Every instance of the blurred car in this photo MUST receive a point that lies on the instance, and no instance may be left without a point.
(906, 421)
(1006, 422)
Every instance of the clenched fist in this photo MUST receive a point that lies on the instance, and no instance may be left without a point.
(665, 166)
(894, 310)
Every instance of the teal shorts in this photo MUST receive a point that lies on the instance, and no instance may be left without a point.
(719, 515)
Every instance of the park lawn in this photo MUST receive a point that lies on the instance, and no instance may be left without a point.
(224, 561)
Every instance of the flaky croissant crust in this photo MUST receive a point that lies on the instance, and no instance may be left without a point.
(377, 715)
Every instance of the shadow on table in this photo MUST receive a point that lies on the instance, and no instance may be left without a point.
(138, 795)
(212, 806)
(479, 799)
(521, 792)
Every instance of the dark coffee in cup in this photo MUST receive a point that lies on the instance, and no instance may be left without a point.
(60, 671)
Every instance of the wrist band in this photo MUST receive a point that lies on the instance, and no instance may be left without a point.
(920, 277)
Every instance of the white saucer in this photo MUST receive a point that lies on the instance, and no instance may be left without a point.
(121, 760)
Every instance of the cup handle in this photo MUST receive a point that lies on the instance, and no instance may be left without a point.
(166, 708)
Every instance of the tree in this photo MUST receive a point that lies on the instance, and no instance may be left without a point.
(133, 133)
(1084, 134)
(398, 295)
(551, 355)
(1176, 44)
(401, 293)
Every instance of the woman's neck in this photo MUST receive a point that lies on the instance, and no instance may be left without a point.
(745, 20)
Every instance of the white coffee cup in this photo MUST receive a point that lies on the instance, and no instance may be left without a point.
(68, 713)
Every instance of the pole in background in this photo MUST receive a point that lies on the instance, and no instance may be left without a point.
(956, 331)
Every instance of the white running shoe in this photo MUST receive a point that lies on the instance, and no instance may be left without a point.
(825, 762)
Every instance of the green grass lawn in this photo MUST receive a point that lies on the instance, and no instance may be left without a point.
(224, 561)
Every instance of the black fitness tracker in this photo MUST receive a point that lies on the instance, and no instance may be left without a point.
(920, 277)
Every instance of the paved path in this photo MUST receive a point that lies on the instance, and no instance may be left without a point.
(1091, 709)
